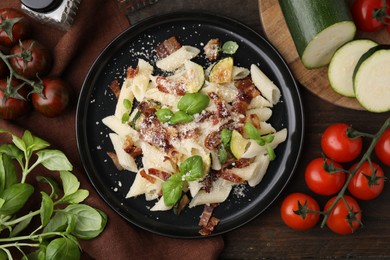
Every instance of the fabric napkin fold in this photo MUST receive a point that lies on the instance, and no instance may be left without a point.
(97, 23)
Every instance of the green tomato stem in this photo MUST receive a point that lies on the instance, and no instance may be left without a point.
(365, 157)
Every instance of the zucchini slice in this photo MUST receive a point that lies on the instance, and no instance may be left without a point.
(318, 28)
(343, 63)
(222, 71)
(372, 79)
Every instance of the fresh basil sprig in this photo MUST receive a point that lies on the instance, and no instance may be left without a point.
(191, 169)
(63, 220)
(254, 134)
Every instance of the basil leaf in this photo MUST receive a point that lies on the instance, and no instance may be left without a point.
(226, 136)
(90, 222)
(193, 103)
(20, 227)
(12, 151)
(54, 160)
(19, 143)
(180, 117)
(76, 197)
(54, 186)
(192, 168)
(268, 138)
(271, 152)
(62, 248)
(15, 197)
(251, 131)
(57, 223)
(229, 47)
(172, 189)
(164, 114)
(33, 143)
(222, 154)
(127, 104)
(8, 174)
(125, 117)
(70, 183)
(47, 207)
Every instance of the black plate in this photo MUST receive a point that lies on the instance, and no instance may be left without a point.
(97, 102)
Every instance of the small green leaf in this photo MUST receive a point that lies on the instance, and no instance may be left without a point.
(268, 138)
(62, 249)
(193, 103)
(164, 115)
(229, 47)
(47, 207)
(222, 154)
(33, 143)
(271, 152)
(20, 227)
(8, 174)
(251, 131)
(125, 117)
(127, 104)
(57, 223)
(15, 197)
(180, 117)
(12, 151)
(226, 136)
(76, 197)
(172, 189)
(54, 186)
(19, 143)
(54, 160)
(192, 168)
(70, 183)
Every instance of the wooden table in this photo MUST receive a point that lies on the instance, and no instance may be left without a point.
(267, 236)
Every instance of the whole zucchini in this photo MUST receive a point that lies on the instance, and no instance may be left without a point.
(318, 28)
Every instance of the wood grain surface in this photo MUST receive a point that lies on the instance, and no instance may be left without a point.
(315, 80)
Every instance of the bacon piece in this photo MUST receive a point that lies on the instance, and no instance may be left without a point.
(206, 215)
(230, 176)
(162, 175)
(240, 106)
(211, 49)
(233, 163)
(212, 140)
(115, 160)
(131, 149)
(254, 120)
(131, 73)
(115, 88)
(170, 86)
(147, 176)
(207, 220)
(247, 88)
(221, 105)
(167, 47)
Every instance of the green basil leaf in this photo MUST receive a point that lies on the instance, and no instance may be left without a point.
(180, 117)
(229, 47)
(19, 143)
(33, 143)
(76, 197)
(5, 254)
(251, 131)
(125, 117)
(192, 168)
(90, 222)
(8, 173)
(268, 138)
(47, 207)
(70, 183)
(271, 152)
(226, 136)
(193, 103)
(62, 249)
(164, 114)
(57, 223)
(172, 189)
(54, 186)
(20, 227)
(127, 104)
(222, 154)
(54, 160)
(39, 254)
(15, 197)
(12, 151)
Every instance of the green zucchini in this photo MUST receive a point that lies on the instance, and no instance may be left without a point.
(318, 28)
(371, 79)
(343, 63)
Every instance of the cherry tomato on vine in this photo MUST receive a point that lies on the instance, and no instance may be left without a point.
(338, 146)
(363, 14)
(305, 220)
(33, 60)
(56, 98)
(13, 108)
(367, 183)
(340, 220)
(322, 182)
(382, 147)
(13, 26)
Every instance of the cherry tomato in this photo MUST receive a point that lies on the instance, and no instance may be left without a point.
(296, 221)
(340, 220)
(13, 26)
(367, 184)
(322, 182)
(338, 146)
(362, 13)
(56, 98)
(13, 108)
(382, 147)
(34, 59)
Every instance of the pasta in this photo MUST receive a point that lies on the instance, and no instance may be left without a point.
(195, 135)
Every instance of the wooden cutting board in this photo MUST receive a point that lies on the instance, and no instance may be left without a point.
(315, 80)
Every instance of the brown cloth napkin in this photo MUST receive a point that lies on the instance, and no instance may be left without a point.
(97, 23)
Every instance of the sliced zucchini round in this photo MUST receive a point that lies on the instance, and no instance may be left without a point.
(238, 144)
(222, 71)
(372, 79)
(343, 63)
(194, 76)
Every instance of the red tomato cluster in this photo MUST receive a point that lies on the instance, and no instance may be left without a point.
(326, 176)
(371, 15)
(26, 62)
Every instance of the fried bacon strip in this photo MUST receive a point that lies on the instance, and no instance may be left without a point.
(115, 88)
(131, 72)
(167, 47)
(170, 86)
(207, 220)
(230, 176)
(162, 175)
(211, 49)
(147, 176)
(246, 92)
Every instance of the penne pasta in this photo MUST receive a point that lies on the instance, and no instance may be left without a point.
(266, 87)
(177, 58)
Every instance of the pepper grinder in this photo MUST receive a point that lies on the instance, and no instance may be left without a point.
(60, 13)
